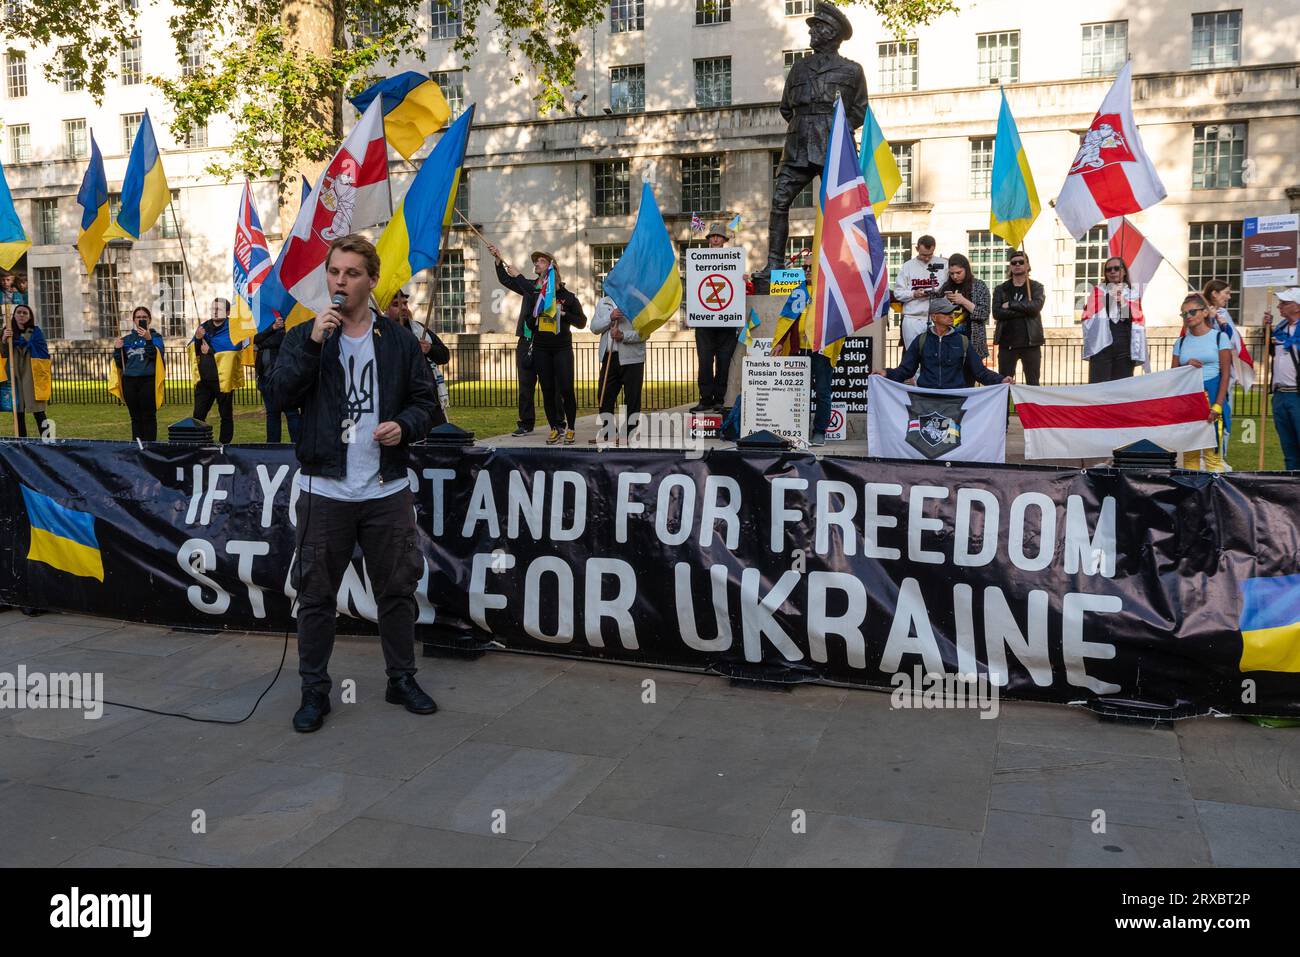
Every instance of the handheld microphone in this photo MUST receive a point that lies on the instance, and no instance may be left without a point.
(336, 301)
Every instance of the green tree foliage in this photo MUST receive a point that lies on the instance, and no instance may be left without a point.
(280, 69)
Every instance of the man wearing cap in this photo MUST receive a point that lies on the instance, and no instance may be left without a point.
(435, 351)
(942, 358)
(808, 105)
(714, 348)
(1286, 362)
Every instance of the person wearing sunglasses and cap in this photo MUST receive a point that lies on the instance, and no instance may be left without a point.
(1286, 374)
(1208, 348)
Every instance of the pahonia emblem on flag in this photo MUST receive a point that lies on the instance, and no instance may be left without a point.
(934, 423)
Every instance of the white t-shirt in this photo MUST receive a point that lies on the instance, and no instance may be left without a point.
(361, 406)
(915, 276)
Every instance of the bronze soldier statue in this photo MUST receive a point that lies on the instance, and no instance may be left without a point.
(808, 104)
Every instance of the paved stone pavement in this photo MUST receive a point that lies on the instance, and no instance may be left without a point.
(540, 761)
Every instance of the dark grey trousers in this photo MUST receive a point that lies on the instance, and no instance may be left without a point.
(328, 531)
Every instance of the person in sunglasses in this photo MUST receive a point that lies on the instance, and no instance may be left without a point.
(1018, 314)
(1114, 328)
(1208, 348)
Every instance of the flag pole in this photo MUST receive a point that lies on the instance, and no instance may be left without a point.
(473, 229)
(180, 238)
(1268, 365)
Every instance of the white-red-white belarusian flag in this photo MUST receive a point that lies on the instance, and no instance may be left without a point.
(350, 195)
(1138, 253)
(1111, 175)
(1169, 408)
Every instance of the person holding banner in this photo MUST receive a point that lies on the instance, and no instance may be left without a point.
(208, 388)
(942, 358)
(1209, 349)
(1111, 344)
(30, 375)
(365, 394)
(713, 349)
(1286, 375)
(1018, 311)
(137, 355)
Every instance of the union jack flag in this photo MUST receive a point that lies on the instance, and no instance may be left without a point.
(850, 285)
(252, 258)
(697, 224)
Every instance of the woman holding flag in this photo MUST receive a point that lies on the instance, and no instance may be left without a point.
(549, 311)
(1207, 348)
(1114, 340)
(31, 371)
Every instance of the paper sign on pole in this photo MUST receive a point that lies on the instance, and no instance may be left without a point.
(715, 287)
(783, 281)
(1268, 251)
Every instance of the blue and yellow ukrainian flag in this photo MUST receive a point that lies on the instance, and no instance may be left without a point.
(38, 351)
(1270, 624)
(62, 537)
(412, 240)
(645, 283)
(145, 193)
(93, 197)
(414, 108)
(13, 238)
(1015, 198)
(230, 370)
(879, 168)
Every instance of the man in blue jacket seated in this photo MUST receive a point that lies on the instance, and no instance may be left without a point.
(946, 359)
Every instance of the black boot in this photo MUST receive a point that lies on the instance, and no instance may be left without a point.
(311, 715)
(405, 691)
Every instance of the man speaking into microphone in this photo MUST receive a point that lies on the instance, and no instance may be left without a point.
(365, 393)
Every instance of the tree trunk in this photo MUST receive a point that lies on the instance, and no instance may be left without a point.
(313, 27)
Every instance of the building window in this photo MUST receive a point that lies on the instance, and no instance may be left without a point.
(132, 62)
(107, 300)
(452, 84)
(1218, 155)
(981, 167)
(988, 256)
(130, 126)
(701, 184)
(461, 205)
(602, 261)
(626, 16)
(713, 81)
(1216, 39)
(196, 137)
(805, 198)
(74, 139)
(627, 89)
(898, 66)
(169, 226)
(798, 8)
(791, 57)
(71, 78)
(798, 252)
(1105, 48)
(898, 250)
(49, 300)
(709, 12)
(1214, 252)
(370, 24)
(613, 191)
(445, 19)
(449, 293)
(16, 74)
(114, 205)
(194, 55)
(999, 57)
(1090, 254)
(169, 284)
(20, 143)
(903, 157)
(47, 222)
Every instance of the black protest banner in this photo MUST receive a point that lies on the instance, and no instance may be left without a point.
(1122, 589)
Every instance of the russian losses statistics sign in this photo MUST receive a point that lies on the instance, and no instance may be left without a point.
(1268, 251)
(715, 287)
(774, 396)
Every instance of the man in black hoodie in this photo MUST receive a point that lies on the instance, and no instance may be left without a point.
(365, 394)
(267, 343)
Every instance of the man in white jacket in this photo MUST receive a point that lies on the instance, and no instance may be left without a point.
(622, 362)
(916, 284)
